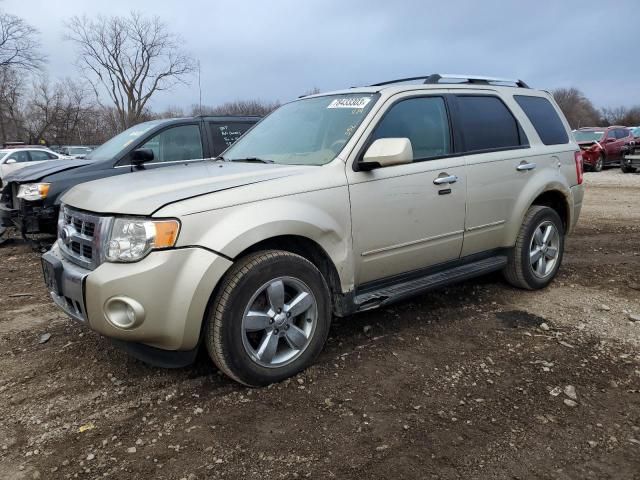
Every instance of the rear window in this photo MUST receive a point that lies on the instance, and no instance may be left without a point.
(225, 134)
(487, 124)
(544, 118)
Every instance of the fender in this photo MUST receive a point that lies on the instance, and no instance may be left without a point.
(543, 181)
(230, 231)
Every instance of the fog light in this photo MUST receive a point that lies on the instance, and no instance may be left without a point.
(124, 312)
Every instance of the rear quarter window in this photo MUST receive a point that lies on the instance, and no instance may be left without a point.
(544, 118)
(487, 124)
(225, 134)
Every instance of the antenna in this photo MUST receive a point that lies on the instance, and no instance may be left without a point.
(199, 89)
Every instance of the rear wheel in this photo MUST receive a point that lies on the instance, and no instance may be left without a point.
(535, 259)
(599, 163)
(270, 318)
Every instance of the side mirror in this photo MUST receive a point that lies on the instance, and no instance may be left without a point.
(141, 155)
(609, 140)
(10, 161)
(386, 152)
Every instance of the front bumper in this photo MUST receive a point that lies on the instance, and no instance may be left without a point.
(29, 217)
(631, 161)
(590, 157)
(173, 288)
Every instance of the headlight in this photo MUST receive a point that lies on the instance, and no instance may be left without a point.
(33, 191)
(132, 239)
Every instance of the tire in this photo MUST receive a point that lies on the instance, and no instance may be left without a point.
(250, 313)
(628, 170)
(597, 167)
(521, 271)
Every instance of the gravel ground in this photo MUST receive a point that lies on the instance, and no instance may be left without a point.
(474, 381)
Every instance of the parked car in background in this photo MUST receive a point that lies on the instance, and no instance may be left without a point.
(631, 158)
(16, 158)
(334, 204)
(602, 146)
(30, 197)
(75, 152)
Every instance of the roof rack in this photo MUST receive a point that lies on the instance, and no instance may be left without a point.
(435, 78)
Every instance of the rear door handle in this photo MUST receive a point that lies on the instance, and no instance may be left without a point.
(446, 179)
(525, 166)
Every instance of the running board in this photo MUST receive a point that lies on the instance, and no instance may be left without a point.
(400, 291)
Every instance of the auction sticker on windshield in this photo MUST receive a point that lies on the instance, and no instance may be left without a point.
(350, 102)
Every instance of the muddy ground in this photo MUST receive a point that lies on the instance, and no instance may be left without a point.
(473, 381)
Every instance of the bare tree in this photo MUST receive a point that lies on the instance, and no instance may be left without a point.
(130, 59)
(11, 93)
(239, 107)
(578, 109)
(629, 117)
(19, 45)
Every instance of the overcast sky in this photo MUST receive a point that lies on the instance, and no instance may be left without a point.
(279, 49)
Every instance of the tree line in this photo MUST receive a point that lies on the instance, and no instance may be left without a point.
(122, 62)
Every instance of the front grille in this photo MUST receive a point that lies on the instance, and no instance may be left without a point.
(80, 236)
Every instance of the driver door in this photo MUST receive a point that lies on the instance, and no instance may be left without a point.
(401, 220)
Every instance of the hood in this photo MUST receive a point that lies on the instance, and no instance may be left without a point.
(37, 172)
(143, 193)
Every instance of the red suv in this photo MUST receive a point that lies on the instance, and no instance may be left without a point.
(601, 146)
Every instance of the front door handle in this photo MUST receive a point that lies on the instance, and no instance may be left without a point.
(445, 179)
(525, 166)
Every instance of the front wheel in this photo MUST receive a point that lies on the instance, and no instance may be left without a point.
(536, 257)
(270, 318)
(628, 170)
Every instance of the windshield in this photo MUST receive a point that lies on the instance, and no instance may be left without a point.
(635, 131)
(311, 131)
(111, 148)
(588, 135)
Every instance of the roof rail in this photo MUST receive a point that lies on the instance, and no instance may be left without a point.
(471, 79)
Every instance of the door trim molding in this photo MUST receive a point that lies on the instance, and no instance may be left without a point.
(486, 225)
(411, 243)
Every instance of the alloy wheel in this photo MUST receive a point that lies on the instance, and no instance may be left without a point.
(279, 322)
(544, 249)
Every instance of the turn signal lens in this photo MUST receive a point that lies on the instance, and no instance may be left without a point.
(166, 233)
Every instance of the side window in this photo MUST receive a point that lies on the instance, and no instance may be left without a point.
(19, 157)
(487, 124)
(544, 118)
(612, 134)
(176, 144)
(225, 134)
(423, 121)
(622, 133)
(39, 155)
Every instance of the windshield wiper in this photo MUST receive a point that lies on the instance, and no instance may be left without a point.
(251, 160)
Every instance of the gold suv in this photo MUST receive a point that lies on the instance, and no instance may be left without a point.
(334, 204)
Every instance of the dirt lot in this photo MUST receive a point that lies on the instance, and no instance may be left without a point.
(475, 381)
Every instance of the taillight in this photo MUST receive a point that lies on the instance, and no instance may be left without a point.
(579, 166)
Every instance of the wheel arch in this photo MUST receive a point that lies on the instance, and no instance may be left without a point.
(306, 248)
(556, 200)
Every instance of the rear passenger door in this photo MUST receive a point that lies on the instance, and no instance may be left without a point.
(495, 147)
(225, 134)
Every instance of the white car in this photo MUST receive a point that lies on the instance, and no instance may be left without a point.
(16, 158)
(76, 152)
